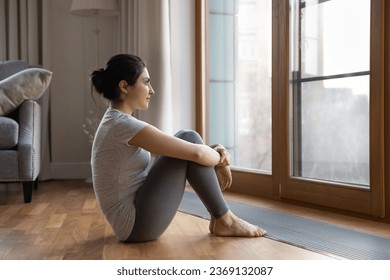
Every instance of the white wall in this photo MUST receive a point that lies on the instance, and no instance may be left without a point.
(73, 57)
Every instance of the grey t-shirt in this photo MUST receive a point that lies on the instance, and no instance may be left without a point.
(118, 169)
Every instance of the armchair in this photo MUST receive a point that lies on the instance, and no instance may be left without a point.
(20, 124)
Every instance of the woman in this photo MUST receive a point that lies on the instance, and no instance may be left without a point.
(140, 198)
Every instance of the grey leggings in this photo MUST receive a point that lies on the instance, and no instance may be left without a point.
(158, 199)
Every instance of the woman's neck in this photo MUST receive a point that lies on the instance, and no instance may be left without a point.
(122, 106)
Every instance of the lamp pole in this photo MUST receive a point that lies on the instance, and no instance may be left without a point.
(97, 31)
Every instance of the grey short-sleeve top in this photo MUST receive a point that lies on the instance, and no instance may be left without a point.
(118, 169)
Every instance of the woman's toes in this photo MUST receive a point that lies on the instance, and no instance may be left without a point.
(261, 231)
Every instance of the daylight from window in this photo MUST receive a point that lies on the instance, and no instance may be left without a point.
(239, 107)
(330, 64)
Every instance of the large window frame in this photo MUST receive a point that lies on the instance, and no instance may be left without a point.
(250, 178)
(298, 81)
(280, 184)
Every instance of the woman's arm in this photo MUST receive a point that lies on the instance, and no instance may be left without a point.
(160, 143)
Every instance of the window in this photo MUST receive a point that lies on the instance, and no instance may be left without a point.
(296, 91)
(330, 90)
(239, 97)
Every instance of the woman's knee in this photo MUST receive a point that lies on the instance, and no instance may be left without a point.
(189, 136)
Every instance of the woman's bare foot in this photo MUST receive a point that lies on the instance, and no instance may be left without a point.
(230, 225)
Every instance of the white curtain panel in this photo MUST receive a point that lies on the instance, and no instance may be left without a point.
(19, 31)
(23, 37)
(145, 31)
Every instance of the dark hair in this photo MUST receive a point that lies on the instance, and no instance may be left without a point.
(120, 67)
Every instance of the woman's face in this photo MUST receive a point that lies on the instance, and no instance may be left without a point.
(138, 95)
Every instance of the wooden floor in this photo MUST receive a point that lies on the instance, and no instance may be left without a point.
(64, 222)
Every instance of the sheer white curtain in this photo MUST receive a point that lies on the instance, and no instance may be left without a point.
(23, 36)
(145, 31)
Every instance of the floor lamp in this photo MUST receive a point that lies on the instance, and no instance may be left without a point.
(96, 9)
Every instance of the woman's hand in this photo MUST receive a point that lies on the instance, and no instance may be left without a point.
(224, 176)
(222, 169)
(225, 156)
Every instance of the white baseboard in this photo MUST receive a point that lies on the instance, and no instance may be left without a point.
(70, 170)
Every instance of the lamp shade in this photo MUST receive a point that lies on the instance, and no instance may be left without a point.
(92, 8)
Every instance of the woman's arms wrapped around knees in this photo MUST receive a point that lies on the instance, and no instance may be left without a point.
(159, 143)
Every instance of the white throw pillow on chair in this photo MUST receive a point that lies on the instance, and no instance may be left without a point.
(28, 84)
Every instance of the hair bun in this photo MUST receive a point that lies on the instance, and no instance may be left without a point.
(97, 79)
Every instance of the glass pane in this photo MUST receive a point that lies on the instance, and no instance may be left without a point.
(222, 47)
(335, 37)
(240, 58)
(222, 6)
(335, 136)
(330, 114)
(221, 99)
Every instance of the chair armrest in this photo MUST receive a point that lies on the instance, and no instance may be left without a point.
(29, 146)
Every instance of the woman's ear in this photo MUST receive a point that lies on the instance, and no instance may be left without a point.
(123, 86)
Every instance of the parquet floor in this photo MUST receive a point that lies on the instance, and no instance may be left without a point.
(64, 222)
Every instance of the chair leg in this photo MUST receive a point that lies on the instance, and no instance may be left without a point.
(36, 184)
(27, 191)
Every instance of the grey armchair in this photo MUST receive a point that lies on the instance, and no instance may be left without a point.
(20, 139)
